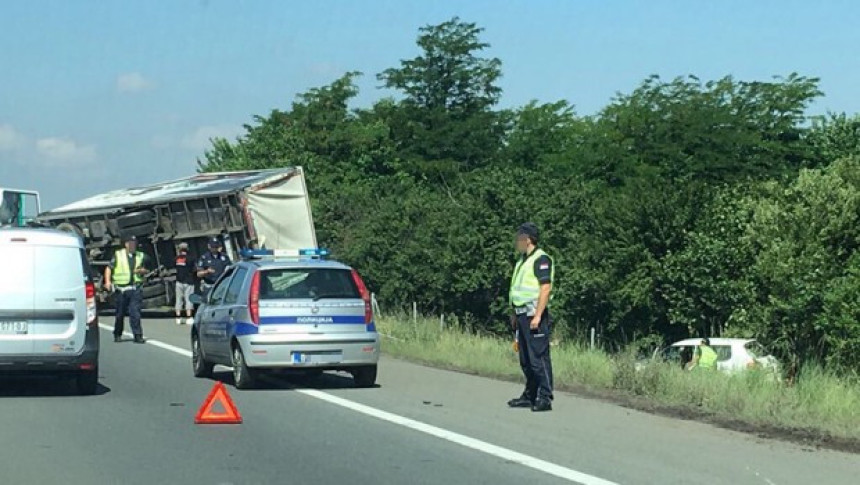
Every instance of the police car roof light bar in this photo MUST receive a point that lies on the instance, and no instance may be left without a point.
(308, 253)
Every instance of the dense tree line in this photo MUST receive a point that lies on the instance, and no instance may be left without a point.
(683, 208)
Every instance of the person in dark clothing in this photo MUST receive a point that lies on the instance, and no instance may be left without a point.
(212, 264)
(531, 285)
(184, 285)
(124, 276)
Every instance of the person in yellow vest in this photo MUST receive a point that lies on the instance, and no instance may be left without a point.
(705, 357)
(531, 285)
(124, 276)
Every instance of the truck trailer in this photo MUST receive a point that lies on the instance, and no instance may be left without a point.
(249, 209)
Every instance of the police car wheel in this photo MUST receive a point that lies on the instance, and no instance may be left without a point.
(198, 362)
(243, 377)
(364, 376)
(313, 373)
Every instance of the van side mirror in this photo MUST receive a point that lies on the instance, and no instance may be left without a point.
(197, 299)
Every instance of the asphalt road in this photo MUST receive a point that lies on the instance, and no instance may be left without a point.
(420, 426)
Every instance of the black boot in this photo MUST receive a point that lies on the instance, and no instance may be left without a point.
(117, 338)
(542, 404)
(138, 339)
(521, 402)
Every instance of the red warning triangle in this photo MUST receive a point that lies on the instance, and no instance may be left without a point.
(218, 395)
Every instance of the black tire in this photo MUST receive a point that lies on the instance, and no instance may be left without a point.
(364, 376)
(87, 382)
(146, 229)
(70, 228)
(134, 219)
(158, 303)
(243, 377)
(199, 365)
(154, 291)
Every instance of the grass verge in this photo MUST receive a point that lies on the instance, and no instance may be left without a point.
(821, 408)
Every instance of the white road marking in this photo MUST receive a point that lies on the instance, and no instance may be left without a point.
(463, 440)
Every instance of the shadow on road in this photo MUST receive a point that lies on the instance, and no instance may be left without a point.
(21, 386)
(287, 380)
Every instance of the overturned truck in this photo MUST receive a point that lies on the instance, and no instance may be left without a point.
(264, 209)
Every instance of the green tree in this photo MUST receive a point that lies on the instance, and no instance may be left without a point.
(834, 136)
(445, 123)
(717, 131)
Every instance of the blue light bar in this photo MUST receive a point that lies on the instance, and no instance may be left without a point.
(313, 253)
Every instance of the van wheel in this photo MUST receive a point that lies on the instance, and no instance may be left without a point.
(201, 367)
(364, 376)
(243, 377)
(88, 382)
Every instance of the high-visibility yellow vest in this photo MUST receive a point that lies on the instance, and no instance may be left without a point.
(525, 287)
(122, 273)
(707, 357)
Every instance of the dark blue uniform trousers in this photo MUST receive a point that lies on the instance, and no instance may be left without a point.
(128, 302)
(534, 356)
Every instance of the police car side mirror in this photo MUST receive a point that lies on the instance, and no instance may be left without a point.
(197, 299)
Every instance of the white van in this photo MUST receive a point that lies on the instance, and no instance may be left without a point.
(48, 318)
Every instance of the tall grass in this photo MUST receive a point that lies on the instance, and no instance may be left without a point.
(819, 402)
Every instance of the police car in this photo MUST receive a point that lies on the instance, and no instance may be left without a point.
(286, 310)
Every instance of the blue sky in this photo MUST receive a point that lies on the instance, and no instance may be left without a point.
(96, 95)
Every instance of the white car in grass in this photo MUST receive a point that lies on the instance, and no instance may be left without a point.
(733, 354)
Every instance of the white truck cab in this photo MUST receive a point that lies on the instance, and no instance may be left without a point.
(18, 207)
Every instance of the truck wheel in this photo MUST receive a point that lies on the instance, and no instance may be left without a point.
(133, 219)
(70, 228)
(145, 229)
(154, 291)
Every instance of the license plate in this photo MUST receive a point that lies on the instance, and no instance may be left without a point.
(317, 358)
(13, 327)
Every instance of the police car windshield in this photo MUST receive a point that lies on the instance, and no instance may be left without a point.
(307, 283)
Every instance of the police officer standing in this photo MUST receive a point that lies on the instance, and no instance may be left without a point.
(212, 264)
(124, 276)
(531, 285)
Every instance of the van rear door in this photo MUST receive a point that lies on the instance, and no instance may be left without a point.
(17, 283)
(59, 323)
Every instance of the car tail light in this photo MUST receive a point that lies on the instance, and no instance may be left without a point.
(254, 299)
(92, 314)
(365, 295)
